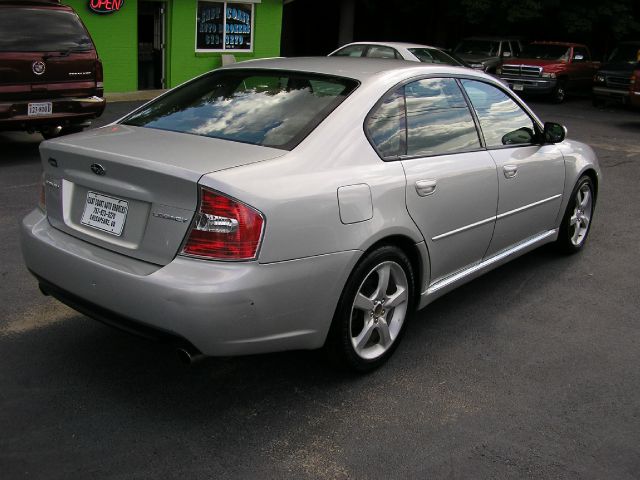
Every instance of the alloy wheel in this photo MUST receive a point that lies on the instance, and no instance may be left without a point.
(379, 310)
(581, 216)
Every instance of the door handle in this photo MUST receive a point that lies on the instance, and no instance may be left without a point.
(510, 171)
(425, 187)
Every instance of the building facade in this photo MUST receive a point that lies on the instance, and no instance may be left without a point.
(162, 43)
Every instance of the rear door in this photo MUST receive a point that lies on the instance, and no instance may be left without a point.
(452, 190)
(45, 52)
(530, 175)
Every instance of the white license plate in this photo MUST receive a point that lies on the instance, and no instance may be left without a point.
(518, 87)
(36, 109)
(105, 213)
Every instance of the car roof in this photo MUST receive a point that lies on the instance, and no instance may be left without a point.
(390, 44)
(357, 68)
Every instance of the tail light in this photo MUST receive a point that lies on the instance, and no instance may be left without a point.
(99, 75)
(224, 229)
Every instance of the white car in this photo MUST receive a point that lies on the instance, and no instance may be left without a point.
(412, 52)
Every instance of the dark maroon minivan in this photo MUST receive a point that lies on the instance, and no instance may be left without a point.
(50, 73)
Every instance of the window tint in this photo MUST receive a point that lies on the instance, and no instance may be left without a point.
(386, 125)
(41, 30)
(438, 119)
(378, 51)
(502, 120)
(350, 51)
(274, 109)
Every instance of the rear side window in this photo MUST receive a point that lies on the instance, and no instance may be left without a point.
(438, 118)
(261, 107)
(386, 125)
(25, 29)
(503, 121)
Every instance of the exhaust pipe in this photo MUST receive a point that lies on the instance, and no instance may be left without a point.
(189, 357)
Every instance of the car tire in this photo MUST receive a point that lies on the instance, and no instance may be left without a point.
(560, 92)
(576, 222)
(372, 311)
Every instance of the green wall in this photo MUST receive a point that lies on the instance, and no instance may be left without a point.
(116, 38)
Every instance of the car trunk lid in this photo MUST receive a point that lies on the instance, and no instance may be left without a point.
(134, 190)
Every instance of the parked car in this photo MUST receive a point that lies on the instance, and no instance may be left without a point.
(550, 68)
(486, 53)
(50, 73)
(412, 52)
(634, 89)
(301, 203)
(612, 82)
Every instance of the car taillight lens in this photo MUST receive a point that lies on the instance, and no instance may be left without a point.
(99, 75)
(224, 229)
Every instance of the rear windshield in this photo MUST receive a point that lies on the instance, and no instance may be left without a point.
(261, 107)
(24, 29)
(431, 55)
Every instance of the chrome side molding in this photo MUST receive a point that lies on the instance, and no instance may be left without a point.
(472, 271)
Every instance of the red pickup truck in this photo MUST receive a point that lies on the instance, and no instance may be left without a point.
(550, 68)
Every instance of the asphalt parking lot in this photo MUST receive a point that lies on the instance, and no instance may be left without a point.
(532, 371)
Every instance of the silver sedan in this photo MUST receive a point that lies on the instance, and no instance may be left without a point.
(302, 203)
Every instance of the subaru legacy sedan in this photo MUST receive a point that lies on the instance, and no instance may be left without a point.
(302, 203)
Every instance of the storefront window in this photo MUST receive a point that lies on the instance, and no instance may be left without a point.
(222, 26)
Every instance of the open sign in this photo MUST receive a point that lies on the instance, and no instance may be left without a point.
(105, 6)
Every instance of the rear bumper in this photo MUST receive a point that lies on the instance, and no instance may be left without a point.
(538, 85)
(221, 308)
(65, 111)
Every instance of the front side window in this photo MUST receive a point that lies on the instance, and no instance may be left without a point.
(438, 118)
(222, 26)
(24, 29)
(261, 107)
(503, 121)
(580, 55)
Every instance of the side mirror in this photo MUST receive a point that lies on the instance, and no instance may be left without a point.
(521, 136)
(554, 132)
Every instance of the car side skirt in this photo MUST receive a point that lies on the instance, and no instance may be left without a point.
(445, 285)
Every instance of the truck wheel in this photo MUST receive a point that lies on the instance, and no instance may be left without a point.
(559, 93)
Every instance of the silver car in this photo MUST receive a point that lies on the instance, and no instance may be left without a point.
(302, 203)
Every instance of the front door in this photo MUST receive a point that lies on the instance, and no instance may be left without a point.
(530, 175)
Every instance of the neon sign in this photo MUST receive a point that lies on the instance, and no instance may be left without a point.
(105, 6)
